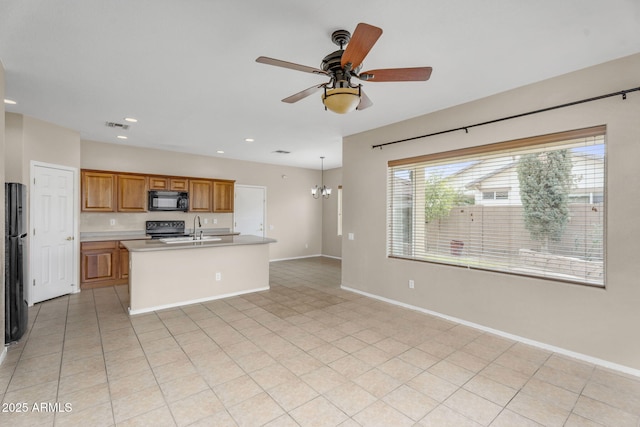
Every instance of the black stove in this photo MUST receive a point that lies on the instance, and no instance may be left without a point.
(164, 229)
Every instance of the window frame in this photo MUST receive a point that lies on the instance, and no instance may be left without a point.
(468, 153)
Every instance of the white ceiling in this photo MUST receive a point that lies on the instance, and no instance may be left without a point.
(186, 68)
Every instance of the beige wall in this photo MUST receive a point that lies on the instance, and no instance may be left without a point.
(13, 147)
(2, 214)
(29, 139)
(599, 323)
(331, 242)
(295, 216)
(49, 143)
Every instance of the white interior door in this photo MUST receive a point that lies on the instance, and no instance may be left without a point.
(250, 210)
(54, 251)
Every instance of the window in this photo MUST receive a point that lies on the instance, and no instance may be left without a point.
(340, 210)
(495, 195)
(531, 207)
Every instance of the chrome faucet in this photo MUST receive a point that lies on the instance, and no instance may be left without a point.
(195, 235)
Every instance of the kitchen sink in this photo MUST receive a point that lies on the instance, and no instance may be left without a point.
(189, 239)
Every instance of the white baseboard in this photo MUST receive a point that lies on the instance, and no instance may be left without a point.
(296, 257)
(195, 301)
(559, 350)
(303, 257)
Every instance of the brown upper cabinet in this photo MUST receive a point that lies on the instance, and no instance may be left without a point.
(132, 193)
(158, 183)
(168, 184)
(200, 195)
(178, 184)
(104, 191)
(223, 192)
(98, 191)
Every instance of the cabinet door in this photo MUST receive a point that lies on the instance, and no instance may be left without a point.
(123, 271)
(200, 195)
(179, 184)
(223, 196)
(98, 191)
(158, 183)
(132, 193)
(99, 261)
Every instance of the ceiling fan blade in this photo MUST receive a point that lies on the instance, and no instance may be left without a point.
(303, 94)
(398, 74)
(365, 102)
(363, 39)
(290, 65)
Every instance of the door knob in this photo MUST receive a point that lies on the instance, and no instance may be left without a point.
(70, 238)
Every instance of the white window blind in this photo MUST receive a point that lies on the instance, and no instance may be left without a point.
(531, 207)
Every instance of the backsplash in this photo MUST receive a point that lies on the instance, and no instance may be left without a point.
(100, 222)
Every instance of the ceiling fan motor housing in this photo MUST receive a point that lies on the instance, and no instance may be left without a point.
(331, 64)
(341, 38)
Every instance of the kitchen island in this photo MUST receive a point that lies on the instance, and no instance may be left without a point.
(165, 274)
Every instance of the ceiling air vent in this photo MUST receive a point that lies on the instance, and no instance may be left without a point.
(282, 152)
(117, 125)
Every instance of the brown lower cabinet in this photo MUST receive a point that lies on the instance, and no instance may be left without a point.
(103, 263)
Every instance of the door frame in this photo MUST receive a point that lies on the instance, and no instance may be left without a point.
(264, 206)
(75, 268)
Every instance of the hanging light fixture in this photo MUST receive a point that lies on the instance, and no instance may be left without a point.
(341, 100)
(323, 190)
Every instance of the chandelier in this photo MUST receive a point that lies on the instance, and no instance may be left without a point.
(323, 190)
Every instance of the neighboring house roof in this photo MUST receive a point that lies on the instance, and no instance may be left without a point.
(475, 182)
(576, 157)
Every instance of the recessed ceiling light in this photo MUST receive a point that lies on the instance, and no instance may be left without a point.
(220, 152)
(121, 137)
(10, 101)
(249, 140)
(130, 120)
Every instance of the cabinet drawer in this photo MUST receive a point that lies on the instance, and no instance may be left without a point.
(158, 183)
(178, 184)
(91, 246)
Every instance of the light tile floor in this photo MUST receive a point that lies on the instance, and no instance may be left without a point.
(304, 353)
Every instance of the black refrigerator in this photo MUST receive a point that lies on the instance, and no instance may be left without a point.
(15, 303)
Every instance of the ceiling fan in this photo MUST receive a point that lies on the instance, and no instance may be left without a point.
(340, 94)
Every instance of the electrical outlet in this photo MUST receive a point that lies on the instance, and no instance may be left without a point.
(206, 220)
(352, 236)
(112, 221)
(215, 220)
(218, 276)
(411, 284)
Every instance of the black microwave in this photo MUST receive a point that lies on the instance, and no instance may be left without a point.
(168, 201)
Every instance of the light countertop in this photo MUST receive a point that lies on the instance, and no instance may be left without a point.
(98, 236)
(158, 245)
(112, 235)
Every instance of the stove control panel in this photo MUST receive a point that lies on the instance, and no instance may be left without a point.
(164, 227)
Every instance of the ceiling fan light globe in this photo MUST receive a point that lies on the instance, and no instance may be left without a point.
(341, 100)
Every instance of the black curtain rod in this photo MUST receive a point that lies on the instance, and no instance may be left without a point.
(623, 93)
